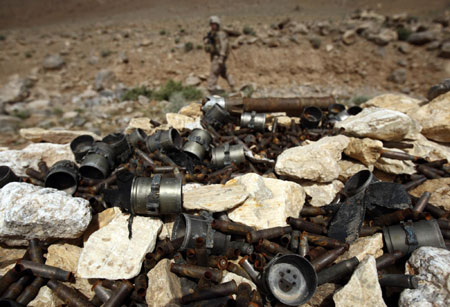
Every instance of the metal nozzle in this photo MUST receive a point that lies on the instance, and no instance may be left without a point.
(7, 176)
(120, 146)
(166, 140)
(227, 154)
(63, 175)
(98, 162)
(138, 136)
(253, 120)
(80, 146)
(198, 143)
(311, 117)
(217, 116)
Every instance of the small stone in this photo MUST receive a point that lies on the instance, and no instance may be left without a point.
(380, 124)
(38, 135)
(398, 76)
(439, 189)
(104, 79)
(110, 254)
(192, 80)
(428, 150)
(45, 298)
(193, 109)
(229, 276)
(438, 89)
(395, 102)
(394, 166)
(180, 121)
(270, 203)
(65, 257)
(323, 296)
(349, 37)
(362, 287)
(404, 48)
(322, 193)
(316, 161)
(364, 150)
(17, 89)
(445, 50)
(432, 266)
(41, 104)
(28, 211)
(164, 287)
(29, 157)
(435, 118)
(215, 197)
(53, 62)
(349, 168)
(363, 246)
(384, 37)
(9, 123)
(421, 38)
(9, 257)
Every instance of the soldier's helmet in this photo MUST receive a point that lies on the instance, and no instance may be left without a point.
(214, 19)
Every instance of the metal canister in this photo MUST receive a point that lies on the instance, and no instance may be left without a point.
(358, 182)
(156, 196)
(198, 143)
(165, 140)
(81, 145)
(119, 143)
(253, 120)
(98, 163)
(7, 176)
(226, 154)
(217, 116)
(136, 137)
(63, 175)
(311, 117)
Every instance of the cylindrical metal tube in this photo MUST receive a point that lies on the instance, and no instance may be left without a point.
(198, 143)
(224, 289)
(319, 240)
(394, 217)
(217, 116)
(443, 224)
(101, 292)
(137, 137)
(227, 154)
(119, 294)
(231, 227)
(272, 247)
(120, 145)
(31, 291)
(311, 117)
(422, 202)
(70, 296)
(358, 183)
(63, 175)
(270, 233)
(248, 267)
(218, 262)
(236, 269)
(335, 108)
(195, 271)
(295, 241)
(397, 155)
(337, 271)
(165, 140)
(46, 271)
(429, 172)
(313, 211)
(243, 295)
(200, 252)
(301, 224)
(386, 260)
(140, 284)
(7, 176)
(80, 146)
(322, 261)
(244, 247)
(303, 248)
(435, 211)
(98, 161)
(315, 252)
(253, 120)
(4, 302)
(11, 277)
(399, 281)
(15, 289)
(414, 183)
(35, 251)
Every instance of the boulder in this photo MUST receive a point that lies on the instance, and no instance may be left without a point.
(100, 220)
(363, 246)
(164, 287)
(439, 189)
(214, 197)
(395, 102)
(29, 157)
(380, 124)
(435, 118)
(322, 193)
(109, 252)
(270, 203)
(62, 136)
(192, 80)
(432, 266)
(28, 211)
(316, 161)
(362, 287)
(53, 62)
(364, 150)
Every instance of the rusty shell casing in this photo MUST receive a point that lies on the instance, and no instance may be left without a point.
(295, 240)
(301, 224)
(303, 248)
(248, 267)
(232, 253)
(35, 251)
(141, 284)
(272, 247)
(32, 173)
(329, 257)
(244, 247)
(422, 202)
(169, 247)
(15, 289)
(443, 224)
(394, 217)
(435, 211)
(315, 252)
(397, 155)
(337, 271)
(70, 296)
(285, 240)
(119, 294)
(47, 271)
(428, 172)
(205, 282)
(219, 262)
(102, 292)
(195, 271)
(387, 260)
(11, 277)
(200, 251)
(369, 230)
(191, 258)
(231, 227)
(243, 296)
(7, 175)
(256, 300)
(399, 281)
(220, 290)
(446, 233)
(324, 241)
(31, 291)
(236, 269)
(292, 106)
(414, 183)
(313, 211)
(269, 233)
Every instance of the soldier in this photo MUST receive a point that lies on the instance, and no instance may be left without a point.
(216, 44)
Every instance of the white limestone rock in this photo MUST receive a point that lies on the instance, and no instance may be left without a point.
(432, 266)
(229, 276)
(363, 246)
(322, 193)
(380, 124)
(365, 150)
(28, 211)
(394, 166)
(395, 102)
(363, 287)
(164, 287)
(349, 168)
(20, 160)
(317, 161)
(180, 121)
(215, 197)
(439, 189)
(193, 109)
(428, 150)
(9, 257)
(271, 201)
(144, 124)
(60, 136)
(45, 298)
(110, 254)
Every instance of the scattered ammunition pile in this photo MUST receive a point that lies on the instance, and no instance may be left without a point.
(143, 175)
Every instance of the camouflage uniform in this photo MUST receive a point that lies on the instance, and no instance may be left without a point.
(216, 44)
